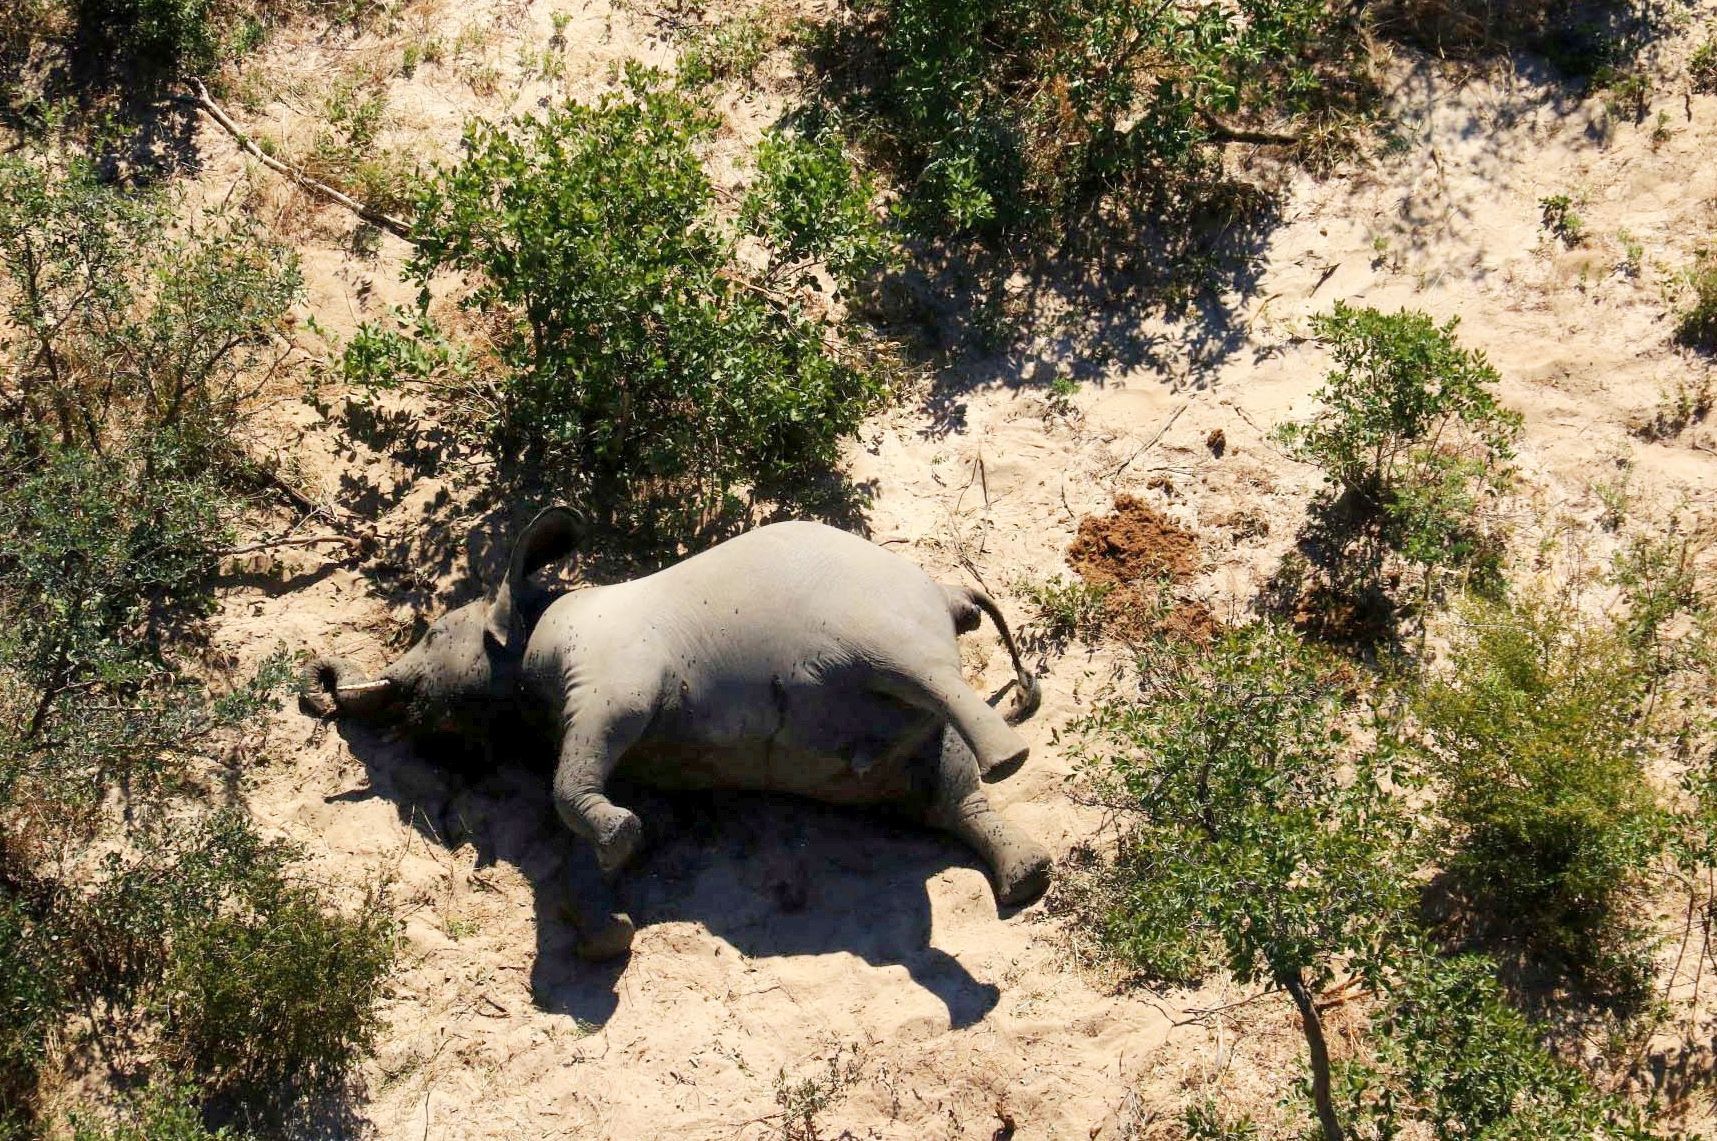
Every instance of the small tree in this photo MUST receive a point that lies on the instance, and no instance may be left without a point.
(1250, 826)
(1415, 445)
(1411, 429)
(643, 363)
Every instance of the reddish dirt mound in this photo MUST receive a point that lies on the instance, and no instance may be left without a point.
(1132, 543)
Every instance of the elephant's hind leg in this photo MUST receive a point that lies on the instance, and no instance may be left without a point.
(999, 749)
(1019, 865)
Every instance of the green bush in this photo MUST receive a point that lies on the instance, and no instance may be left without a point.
(127, 329)
(1252, 829)
(262, 985)
(165, 1112)
(137, 345)
(1450, 1053)
(643, 365)
(1537, 735)
(1697, 324)
(1001, 118)
(1410, 430)
(30, 1003)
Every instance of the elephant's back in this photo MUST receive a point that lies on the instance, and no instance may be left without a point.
(809, 570)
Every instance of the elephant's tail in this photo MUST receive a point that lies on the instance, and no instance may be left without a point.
(966, 619)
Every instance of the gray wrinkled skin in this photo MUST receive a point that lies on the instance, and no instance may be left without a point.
(795, 658)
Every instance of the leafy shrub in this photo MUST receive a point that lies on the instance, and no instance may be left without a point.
(1251, 829)
(1697, 324)
(642, 364)
(1410, 429)
(262, 985)
(1561, 220)
(131, 368)
(809, 206)
(1537, 736)
(1001, 118)
(125, 331)
(1414, 446)
(165, 1112)
(1452, 1054)
(30, 1002)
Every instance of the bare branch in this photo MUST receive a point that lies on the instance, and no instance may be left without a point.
(199, 98)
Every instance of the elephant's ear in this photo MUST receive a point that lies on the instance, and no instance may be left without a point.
(553, 534)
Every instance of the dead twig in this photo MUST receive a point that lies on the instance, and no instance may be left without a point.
(350, 541)
(1152, 442)
(200, 99)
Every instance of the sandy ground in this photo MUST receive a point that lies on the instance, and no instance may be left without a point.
(964, 1023)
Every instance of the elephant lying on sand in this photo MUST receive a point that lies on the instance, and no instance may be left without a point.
(794, 658)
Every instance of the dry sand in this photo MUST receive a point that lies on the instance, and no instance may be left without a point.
(966, 1024)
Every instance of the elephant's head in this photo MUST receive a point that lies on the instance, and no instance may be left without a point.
(463, 673)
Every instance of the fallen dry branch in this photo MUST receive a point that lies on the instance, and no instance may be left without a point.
(199, 98)
(1227, 133)
(349, 541)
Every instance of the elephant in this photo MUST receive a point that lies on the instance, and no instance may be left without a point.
(794, 658)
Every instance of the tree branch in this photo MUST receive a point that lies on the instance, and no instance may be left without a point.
(1225, 133)
(199, 98)
(1295, 985)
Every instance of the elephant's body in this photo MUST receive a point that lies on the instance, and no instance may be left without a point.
(795, 658)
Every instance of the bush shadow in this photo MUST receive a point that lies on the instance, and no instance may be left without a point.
(1122, 292)
(770, 875)
(1336, 585)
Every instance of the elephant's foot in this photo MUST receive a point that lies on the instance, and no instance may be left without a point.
(1021, 873)
(618, 834)
(1019, 865)
(610, 940)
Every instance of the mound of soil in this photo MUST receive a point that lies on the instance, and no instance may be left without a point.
(1133, 542)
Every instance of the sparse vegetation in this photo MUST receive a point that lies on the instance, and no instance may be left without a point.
(727, 51)
(137, 348)
(1678, 411)
(1633, 253)
(1697, 323)
(139, 47)
(1066, 609)
(1561, 220)
(1702, 67)
(802, 1102)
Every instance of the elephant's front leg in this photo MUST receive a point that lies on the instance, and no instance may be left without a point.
(595, 738)
(1019, 865)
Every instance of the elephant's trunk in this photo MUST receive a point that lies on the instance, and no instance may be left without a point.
(335, 685)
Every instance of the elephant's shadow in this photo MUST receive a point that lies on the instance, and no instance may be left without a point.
(769, 874)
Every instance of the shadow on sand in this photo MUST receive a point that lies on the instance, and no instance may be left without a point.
(769, 875)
